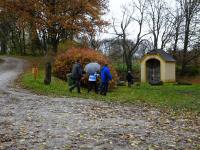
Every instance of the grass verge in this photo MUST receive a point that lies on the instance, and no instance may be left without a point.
(177, 97)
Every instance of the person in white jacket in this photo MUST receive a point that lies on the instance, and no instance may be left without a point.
(92, 82)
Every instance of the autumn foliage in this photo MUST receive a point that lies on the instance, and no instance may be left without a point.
(64, 62)
(56, 20)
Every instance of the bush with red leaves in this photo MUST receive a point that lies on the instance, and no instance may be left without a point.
(64, 62)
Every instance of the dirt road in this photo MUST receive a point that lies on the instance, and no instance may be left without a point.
(29, 121)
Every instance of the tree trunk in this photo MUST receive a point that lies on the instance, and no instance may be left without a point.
(54, 38)
(3, 47)
(128, 62)
(20, 43)
(71, 36)
(44, 43)
(33, 39)
(48, 68)
(24, 41)
(55, 46)
(186, 42)
(155, 42)
(13, 40)
(162, 45)
(175, 44)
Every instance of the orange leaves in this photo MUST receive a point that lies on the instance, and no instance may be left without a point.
(69, 14)
(57, 19)
(63, 62)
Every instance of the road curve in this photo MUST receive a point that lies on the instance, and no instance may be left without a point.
(9, 70)
(29, 121)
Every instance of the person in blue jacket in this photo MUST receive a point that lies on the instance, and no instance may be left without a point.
(105, 78)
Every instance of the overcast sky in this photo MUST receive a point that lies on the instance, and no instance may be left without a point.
(114, 6)
(115, 12)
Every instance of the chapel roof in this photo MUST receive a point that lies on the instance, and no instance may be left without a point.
(166, 56)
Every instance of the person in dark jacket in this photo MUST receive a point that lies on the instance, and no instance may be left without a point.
(76, 75)
(129, 78)
(105, 78)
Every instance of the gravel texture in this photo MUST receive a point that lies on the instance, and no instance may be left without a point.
(29, 121)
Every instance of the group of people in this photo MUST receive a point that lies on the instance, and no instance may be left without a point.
(104, 75)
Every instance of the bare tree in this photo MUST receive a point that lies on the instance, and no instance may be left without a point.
(121, 31)
(177, 24)
(167, 30)
(144, 47)
(189, 9)
(156, 13)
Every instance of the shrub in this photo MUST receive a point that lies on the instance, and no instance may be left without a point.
(193, 70)
(64, 62)
(189, 71)
(122, 70)
(182, 83)
(155, 82)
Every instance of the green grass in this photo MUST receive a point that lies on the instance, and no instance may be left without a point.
(177, 97)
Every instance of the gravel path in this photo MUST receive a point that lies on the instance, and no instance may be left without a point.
(29, 121)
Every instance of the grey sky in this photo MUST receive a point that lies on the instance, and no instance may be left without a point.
(114, 6)
(116, 12)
